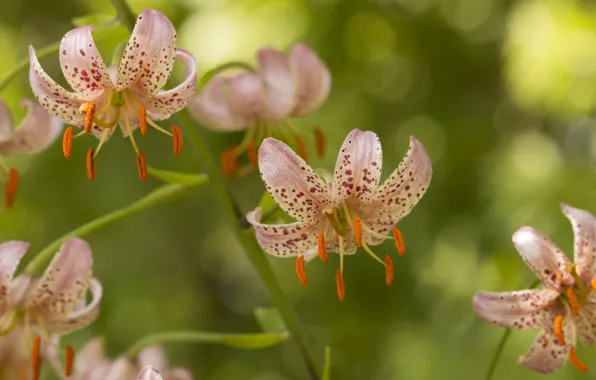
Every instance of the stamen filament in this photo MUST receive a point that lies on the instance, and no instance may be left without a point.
(358, 231)
(571, 269)
(301, 149)
(67, 143)
(573, 300)
(90, 165)
(322, 248)
(102, 140)
(372, 254)
(320, 142)
(11, 188)
(575, 360)
(300, 271)
(559, 330)
(143, 120)
(248, 136)
(36, 357)
(389, 270)
(399, 241)
(341, 254)
(142, 165)
(339, 281)
(251, 152)
(69, 361)
(228, 162)
(177, 140)
(154, 125)
(130, 136)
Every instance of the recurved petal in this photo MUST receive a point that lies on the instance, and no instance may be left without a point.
(294, 185)
(312, 80)
(90, 356)
(358, 167)
(545, 259)
(149, 373)
(278, 83)
(11, 254)
(165, 103)
(153, 356)
(82, 64)
(53, 97)
(285, 240)
(122, 369)
(521, 310)
(584, 230)
(149, 56)
(6, 123)
(36, 132)
(211, 106)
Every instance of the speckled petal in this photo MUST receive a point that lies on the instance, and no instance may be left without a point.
(312, 78)
(584, 229)
(294, 185)
(358, 167)
(149, 56)
(37, 131)
(149, 373)
(53, 97)
(6, 123)
(285, 240)
(82, 64)
(153, 356)
(211, 107)
(278, 83)
(11, 254)
(586, 322)
(178, 374)
(545, 259)
(521, 310)
(165, 103)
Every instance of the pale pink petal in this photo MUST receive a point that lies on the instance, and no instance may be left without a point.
(312, 80)
(545, 259)
(586, 322)
(285, 240)
(19, 290)
(53, 97)
(245, 98)
(91, 355)
(153, 356)
(82, 64)
(11, 254)
(358, 167)
(211, 106)
(122, 369)
(178, 374)
(521, 310)
(149, 373)
(165, 103)
(584, 229)
(294, 185)
(6, 124)
(348, 243)
(36, 132)
(149, 56)
(278, 84)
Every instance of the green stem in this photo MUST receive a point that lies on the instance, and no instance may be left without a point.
(159, 195)
(124, 14)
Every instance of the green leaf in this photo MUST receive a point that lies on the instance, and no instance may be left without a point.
(184, 179)
(269, 319)
(327, 367)
(254, 341)
(98, 20)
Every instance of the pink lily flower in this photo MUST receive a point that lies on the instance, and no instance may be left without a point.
(130, 95)
(565, 304)
(344, 212)
(262, 102)
(35, 133)
(149, 373)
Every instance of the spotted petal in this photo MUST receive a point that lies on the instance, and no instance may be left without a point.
(149, 373)
(545, 259)
(6, 124)
(312, 80)
(149, 56)
(584, 229)
(292, 183)
(278, 83)
(11, 254)
(522, 310)
(82, 64)
(586, 322)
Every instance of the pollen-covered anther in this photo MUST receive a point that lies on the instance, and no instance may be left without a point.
(90, 165)
(176, 140)
(575, 360)
(301, 149)
(322, 248)
(339, 280)
(251, 152)
(143, 120)
(36, 357)
(228, 162)
(559, 330)
(399, 241)
(12, 186)
(89, 110)
(593, 282)
(67, 143)
(69, 361)
(573, 301)
(358, 231)
(321, 142)
(142, 165)
(300, 270)
(389, 271)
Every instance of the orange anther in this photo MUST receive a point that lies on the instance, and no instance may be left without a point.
(573, 300)
(575, 360)
(389, 272)
(301, 149)
(69, 361)
(251, 152)
(142, 165)
(228, 162)
(67, 143)
(89, 114)
(358, 231)
(559, 330)
(11, 188)
(90, 165)
(177, 140)
(339, 280)
(399, 241)
(36, 357)
(320, 142)
(143, 120)
(300, 271)
(322, 248)
(594, 284)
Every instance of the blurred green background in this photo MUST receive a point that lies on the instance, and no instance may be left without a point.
(502, 95)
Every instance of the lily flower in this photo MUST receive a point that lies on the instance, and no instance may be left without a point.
(52, 305)
(130, 95)
(149, 373)
(36, 132)
(563, 308)
(262, 102)
(341, 213)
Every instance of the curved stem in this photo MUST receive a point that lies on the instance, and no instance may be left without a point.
(124, 13)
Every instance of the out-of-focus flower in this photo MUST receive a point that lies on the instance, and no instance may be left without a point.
(563, 307)
(149, 373)
(35, 133)
(341, 213)
(262, 102)
(130, 95)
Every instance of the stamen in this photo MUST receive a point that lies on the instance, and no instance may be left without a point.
(358, 231)
(573, 300)
(322, 248)
(320, 142)
(389, 272)
(399, 241)
(90, 165)
(559, 330)
(251, 152)
(69, 361)
(67, 143)
(142, 165)
(339, 280)
(594, 284)
(36, 357)
(143, 120)
(301, 149)
(300, 271)
(11, 188)
(177, 140)
(89, 109)
(228, 162)
(576, 362)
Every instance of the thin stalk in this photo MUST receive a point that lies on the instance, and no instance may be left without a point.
(124, 13)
